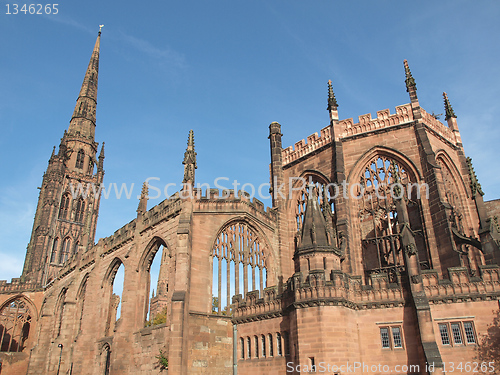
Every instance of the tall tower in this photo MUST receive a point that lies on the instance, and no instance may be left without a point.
(68, 205)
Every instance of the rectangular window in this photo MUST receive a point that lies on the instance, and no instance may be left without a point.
(396, 337)
(256, 339)
(242, 348)
(384, 335)
(278, 344)
(457, 334)
(469, 333)
(445, 337)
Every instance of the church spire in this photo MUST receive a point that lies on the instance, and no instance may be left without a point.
(189, 160)
(83, 120)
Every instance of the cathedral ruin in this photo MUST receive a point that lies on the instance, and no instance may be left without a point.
(381, 252)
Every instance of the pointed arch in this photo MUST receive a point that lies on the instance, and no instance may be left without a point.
(65, 250)
(16, 317)
(446, 159)
(53, 254)
(110, 273)
(243, 251)
(105, 354)
(153, 306)
(80, 300)
(64, 206)
(110, 300)
(376, 178)
(150, 251)
(80, 210)
(59, 312)
(325, 191)
(80, 158)
(383, 151)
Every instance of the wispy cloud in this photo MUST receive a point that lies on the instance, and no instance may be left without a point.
(165, 54)
(65, 20)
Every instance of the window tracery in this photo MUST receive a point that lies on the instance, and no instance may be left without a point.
(53, 255)
(239, 264)
(80, 208)
(382, 181)
(64, 207)
(325, 193)
(65, 250)
(80, 158)
(15, 323)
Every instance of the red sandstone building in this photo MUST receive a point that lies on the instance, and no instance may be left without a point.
(386, 258)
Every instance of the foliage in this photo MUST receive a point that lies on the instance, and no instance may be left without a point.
(215, 307)
(488, 349)
(159, 318)
(215, 304)
(162, 360)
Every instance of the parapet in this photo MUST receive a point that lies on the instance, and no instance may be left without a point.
(347, 128)
(385, 119)
(304, 147)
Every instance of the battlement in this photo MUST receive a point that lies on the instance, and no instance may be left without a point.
(338, 288)
(162, 211)
(438, 127)
(230, 197)
(16, 285)
(304, 147)
(462, 286)
(347, 128)
(385, 119)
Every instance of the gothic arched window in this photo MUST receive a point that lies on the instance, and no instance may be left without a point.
(63, 208)
(80, 158)
(325, 196)
(15, 321)
(59, 313)
(75, 247)
(65, 249)
(80, 208)
(53, 255)
(238, 263)
(379, 187)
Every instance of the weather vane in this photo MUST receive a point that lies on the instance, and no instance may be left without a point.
(100, 27)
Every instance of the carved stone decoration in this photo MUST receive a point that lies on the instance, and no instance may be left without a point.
(411, 249)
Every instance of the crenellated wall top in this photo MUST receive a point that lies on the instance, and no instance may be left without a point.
(304, 147)
(347, 128)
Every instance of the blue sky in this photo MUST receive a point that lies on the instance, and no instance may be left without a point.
(226, 69)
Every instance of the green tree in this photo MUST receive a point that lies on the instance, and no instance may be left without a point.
(159, 318)
(215, 305)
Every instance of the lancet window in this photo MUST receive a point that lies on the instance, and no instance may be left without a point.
(64, 207)
(80, 208)
(15, 322)
(59, 313)
(238, 265)
(53, 255)
(452, 196)
(80, 158)
(384, 180)
(65, 249)
(325, 193)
